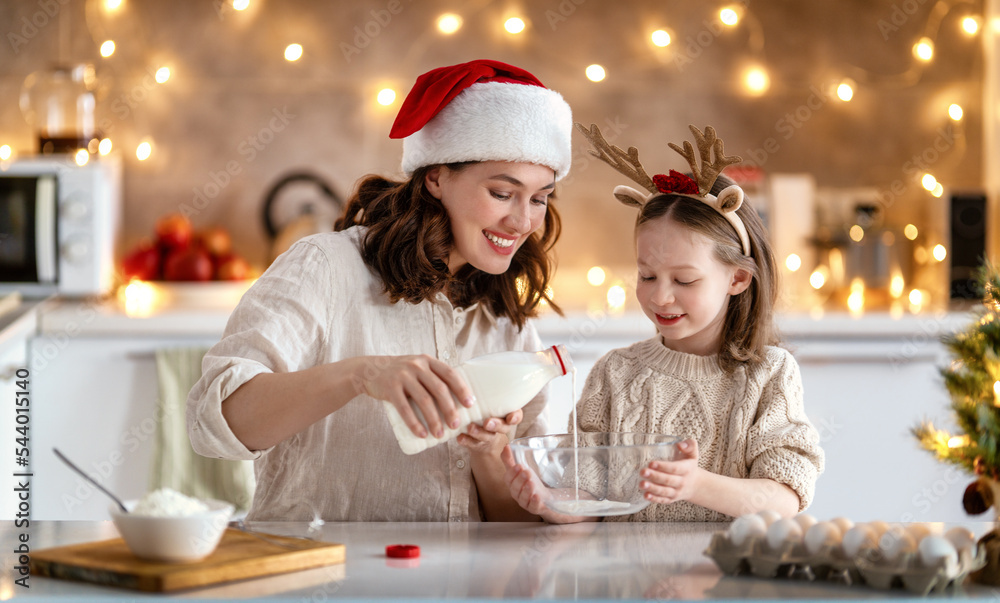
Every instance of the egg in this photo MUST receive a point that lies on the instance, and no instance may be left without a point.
(782, 532)
(895, 543)
(879, 527)
(746, 527)
(770, 516)
(919, 531)
(857, 539)
(805, 521)
(821, 534)
(843, 523)
(934, 548)
(962, 539)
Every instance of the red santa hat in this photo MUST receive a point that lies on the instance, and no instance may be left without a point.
(483, 111)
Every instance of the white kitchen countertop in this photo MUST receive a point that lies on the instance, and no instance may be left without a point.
(106, 317)
(476, 561)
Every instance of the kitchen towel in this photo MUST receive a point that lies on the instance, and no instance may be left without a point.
(175, 464)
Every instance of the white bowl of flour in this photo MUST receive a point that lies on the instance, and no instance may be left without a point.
(168, 526)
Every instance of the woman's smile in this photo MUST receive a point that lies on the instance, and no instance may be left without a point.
(504, 245)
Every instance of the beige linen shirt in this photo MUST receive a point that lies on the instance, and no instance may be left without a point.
(319, 303)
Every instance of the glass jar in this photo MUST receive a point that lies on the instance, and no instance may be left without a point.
(59, 104)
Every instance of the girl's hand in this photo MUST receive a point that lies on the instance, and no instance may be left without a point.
(416, 381)
(670, 481)
(492, 436)
(529, 492)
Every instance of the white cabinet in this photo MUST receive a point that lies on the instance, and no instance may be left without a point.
(17, 411)
(864, 396)
(95, 398)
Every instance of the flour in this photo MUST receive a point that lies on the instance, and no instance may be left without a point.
(166, 502)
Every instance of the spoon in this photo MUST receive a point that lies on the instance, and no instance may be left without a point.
(70, 464)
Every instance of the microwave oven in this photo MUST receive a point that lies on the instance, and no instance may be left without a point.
(59, 225)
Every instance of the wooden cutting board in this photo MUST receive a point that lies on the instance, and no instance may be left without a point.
(239, 556)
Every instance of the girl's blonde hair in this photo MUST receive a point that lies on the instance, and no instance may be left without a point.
(749, 323)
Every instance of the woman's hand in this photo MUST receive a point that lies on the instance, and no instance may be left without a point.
(490, 438)
(670, 481)
(416, 381)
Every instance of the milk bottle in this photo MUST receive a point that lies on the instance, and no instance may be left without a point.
(502, 383)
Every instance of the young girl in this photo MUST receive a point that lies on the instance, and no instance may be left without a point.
(707, 281)
(422, 275)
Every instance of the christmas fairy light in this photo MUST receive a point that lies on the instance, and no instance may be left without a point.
(112, 5)
(924, 49)
(5, 152)
(449, 23)
(104, 147)
(107, 48)
(661, 38)
(162, 75)
(81, 157)
(729, 16)
(293, 52)
(856, 233)
(938, 190)
(144, 150)
(970, 25)
(958, 441)
(596, 73)
(955, 112)
(793, 262)
(818, 278)
(386, 96)
(928, 182)
(596, 276)
(939, 253)
(616, 297)
(756, 80)
(910, 232)
(856, 299)
(514, 25)
(241, 4)
(845, 91)
(896, 286)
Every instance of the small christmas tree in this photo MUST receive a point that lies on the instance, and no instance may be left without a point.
(973, 381)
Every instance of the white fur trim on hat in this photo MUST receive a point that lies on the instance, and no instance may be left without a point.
(496, 121)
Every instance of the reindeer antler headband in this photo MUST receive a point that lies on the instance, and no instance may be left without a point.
(713, 161)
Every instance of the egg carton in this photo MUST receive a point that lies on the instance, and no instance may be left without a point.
(830, 564)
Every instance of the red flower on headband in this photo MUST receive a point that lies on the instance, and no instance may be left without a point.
(676, 182)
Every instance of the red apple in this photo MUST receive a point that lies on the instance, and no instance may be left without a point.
(174, 230)
(232, 268)
(143, 263)
(189, 264)
(216, 241)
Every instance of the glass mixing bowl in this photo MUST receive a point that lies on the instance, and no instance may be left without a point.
(599, 476)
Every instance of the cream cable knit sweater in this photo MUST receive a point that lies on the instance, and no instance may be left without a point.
(748, 424)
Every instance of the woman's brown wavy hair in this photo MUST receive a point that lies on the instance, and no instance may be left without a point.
(409, 240)
(749, 324)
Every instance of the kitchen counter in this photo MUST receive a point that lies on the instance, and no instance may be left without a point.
(206, 318)
(470, 561)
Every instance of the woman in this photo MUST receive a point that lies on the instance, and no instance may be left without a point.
(421, 275)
